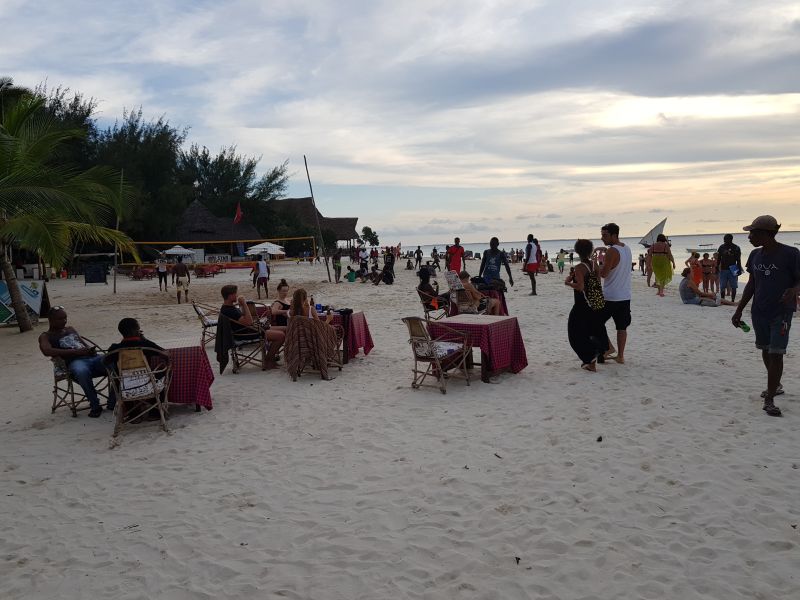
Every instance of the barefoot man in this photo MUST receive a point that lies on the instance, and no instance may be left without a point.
(773, 286)
(181, 279)
(531, 264)
(616, 286)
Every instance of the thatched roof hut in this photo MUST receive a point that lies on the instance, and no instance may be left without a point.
(198, 224)
(303, 209)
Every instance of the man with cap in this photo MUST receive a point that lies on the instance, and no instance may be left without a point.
(773, 286)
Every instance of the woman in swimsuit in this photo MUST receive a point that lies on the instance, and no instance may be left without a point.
(707, 267)
(693, 262)
(661, 262)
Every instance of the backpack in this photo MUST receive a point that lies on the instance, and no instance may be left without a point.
(593, 291)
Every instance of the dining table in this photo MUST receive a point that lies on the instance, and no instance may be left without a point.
(498, 337)
(192, 377)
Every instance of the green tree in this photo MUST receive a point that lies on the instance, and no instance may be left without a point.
(227, 179)
(369, 236)
(148, 153)
(45, 205)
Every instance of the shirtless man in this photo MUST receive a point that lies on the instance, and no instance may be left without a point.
(181, 279)
(616, 286)
(83, 362)
(478, 300)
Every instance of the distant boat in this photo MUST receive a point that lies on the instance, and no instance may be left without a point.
(650, 237)
(700, 250)
(704, 245)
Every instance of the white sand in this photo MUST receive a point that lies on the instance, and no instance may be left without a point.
(364, 488)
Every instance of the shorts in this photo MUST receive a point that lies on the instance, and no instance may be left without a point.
(698, 301)
(532, 268)
(182, 284)
(620, 311)
(726, 278)
(772, 334)
(263, 280)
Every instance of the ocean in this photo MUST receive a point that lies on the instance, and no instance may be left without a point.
(708, 242)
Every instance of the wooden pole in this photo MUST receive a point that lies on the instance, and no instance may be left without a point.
(116, 246)
(316, 216)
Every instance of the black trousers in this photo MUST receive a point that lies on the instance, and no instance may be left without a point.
(587, 333)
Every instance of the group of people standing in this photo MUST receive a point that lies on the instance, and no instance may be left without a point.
(773, 286)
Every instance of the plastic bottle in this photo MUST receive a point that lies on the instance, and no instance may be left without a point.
(744, 326)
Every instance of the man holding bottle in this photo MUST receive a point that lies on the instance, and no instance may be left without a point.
(773, 286)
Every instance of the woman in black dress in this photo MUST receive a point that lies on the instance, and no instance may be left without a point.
(585, 327)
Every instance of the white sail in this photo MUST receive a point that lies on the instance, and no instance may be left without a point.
(650, 237)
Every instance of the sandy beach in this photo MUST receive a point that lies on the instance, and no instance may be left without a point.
(660, 478)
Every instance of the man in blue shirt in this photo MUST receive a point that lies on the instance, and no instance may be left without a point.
(491, 262)
(773, 286)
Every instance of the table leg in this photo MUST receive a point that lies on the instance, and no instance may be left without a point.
(346, 339)
(486, 370)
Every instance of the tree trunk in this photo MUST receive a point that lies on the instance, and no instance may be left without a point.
(17, 303)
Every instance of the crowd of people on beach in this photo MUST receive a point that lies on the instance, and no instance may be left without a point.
(600, 281)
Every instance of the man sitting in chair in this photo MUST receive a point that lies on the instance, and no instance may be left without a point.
(81, 358)
(242, 324)
(132, 338)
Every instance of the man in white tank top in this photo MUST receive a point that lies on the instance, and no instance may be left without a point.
(616, 275)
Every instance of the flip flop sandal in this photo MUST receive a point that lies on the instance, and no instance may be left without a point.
(772, 410)
(778, 392)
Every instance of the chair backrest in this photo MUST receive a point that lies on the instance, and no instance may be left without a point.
(202, 314)
(453, 281)
(462, 300)
(133, 376)
(416, 327)
(309, 341)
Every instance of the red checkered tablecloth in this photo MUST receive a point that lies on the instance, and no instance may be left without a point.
(192, 376)
(356, 335)
(359, 335)
(499, 338)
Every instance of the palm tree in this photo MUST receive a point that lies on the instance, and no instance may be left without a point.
(45, 206)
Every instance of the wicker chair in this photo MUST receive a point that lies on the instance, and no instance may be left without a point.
(209, 317)
(67, 392)
(431, 306)
(140, 383)
(242, 351)
(312, 343)
(448, 352)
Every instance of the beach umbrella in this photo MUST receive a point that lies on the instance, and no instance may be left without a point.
(179, 251)
(265, 248)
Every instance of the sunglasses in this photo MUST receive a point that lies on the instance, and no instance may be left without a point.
(54, 309)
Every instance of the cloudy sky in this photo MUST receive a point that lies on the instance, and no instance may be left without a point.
(432, 118)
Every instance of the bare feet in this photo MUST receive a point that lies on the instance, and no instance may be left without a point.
(620, 359)
(590, 367)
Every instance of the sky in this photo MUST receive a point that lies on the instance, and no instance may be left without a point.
(429, 119)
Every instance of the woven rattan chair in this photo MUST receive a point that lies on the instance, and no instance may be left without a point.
(209, 317)
(242, 351)
(440, 357)
(314, 344)
(431, 306)
(140, 383)
(67, 392)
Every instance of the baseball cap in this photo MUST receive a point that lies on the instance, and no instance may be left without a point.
(764, 223)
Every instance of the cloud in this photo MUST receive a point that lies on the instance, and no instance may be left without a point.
(439, 118)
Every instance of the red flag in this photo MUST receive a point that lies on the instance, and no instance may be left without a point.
(239, 214)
